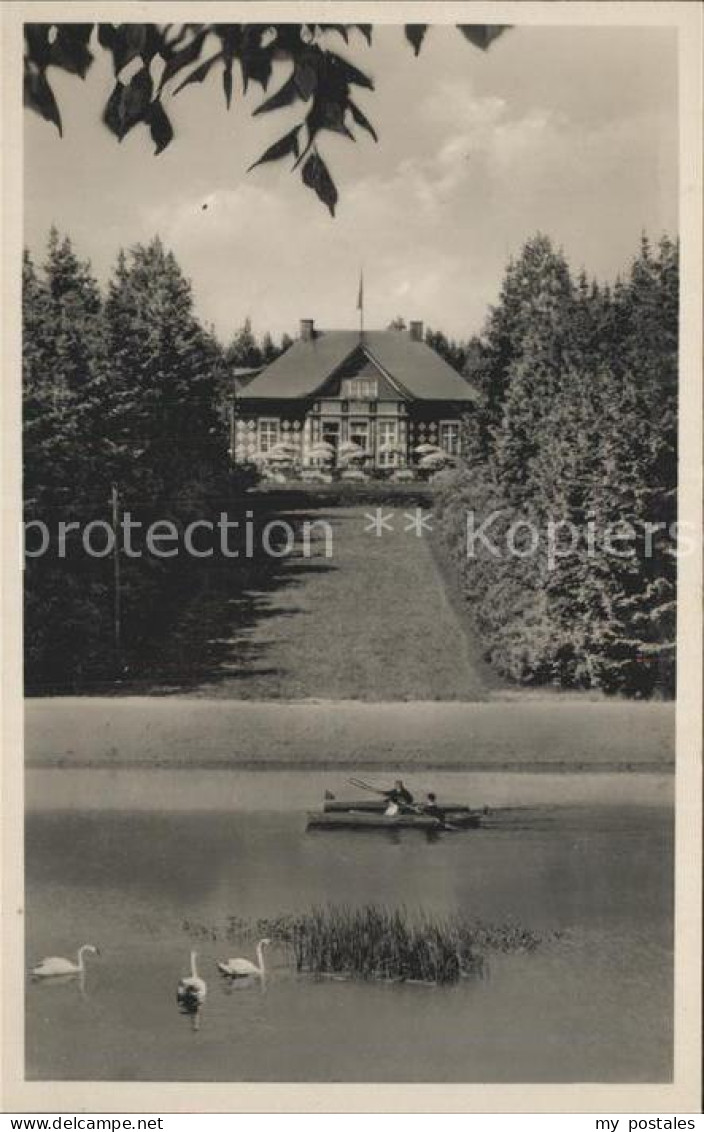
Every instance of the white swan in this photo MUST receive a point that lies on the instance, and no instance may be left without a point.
(191, 990)
(57, 966)
(242, 968)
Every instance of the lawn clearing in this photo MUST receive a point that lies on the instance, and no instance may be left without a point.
(371, 622)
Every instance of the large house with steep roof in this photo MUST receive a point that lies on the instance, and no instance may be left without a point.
(384, 391)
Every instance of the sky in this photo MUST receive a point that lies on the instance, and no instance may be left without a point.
(569, 131)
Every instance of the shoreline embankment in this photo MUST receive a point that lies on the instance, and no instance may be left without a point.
(178, 732)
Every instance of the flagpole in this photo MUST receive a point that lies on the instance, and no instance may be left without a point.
(360, 303)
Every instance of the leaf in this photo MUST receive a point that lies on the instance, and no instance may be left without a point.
(305, 74)
(183, 58)
(312, 131)
(351, 74)
(482, 35)
(154, 43)
(136, 99)
(70, 48)
(227, 82)
(256, 68)
(39, 96)
(415, 34)
(288, 40)
(281, 148)
(255, 60)
(284, 96)
(129, 104)
(37, 40)
(341, 29)
(106, 35)
(128, 42)
(230, 36)
(160, 127)
(362, 120)
(316, 176)
(366, 30)
(112, 113)
(198, 74)
(329, 114)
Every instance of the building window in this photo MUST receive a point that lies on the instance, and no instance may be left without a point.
(360, 388)
(388, 454)
(330, 434)
(268, 434)
(359, 434)
(450, 437)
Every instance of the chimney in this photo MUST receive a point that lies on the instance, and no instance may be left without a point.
(416, 331)
(307, 329)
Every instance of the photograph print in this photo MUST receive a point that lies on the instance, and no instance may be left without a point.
(350, 375)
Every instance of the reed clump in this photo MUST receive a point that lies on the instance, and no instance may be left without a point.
(374, 942)
(381, 943)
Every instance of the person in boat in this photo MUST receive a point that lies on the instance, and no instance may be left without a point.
(431, 808)
(399, 798)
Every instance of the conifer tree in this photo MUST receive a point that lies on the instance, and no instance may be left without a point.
(453, 352)
(163, 372)
(578, 426)
(268, 350)
(526, 326)
(540, 347)
(122, 393)
(65, 591)
(244, 351)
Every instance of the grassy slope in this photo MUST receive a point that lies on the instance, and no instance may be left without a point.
(372, 622)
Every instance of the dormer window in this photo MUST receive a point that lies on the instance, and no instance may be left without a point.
(360, 389)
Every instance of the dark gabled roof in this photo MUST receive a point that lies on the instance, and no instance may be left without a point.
(413, 366)
(243, 375)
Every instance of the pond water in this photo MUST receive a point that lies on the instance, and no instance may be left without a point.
(148, 864)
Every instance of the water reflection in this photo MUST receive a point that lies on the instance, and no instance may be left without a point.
(245, 984)
(76, 979)
(192, 1009)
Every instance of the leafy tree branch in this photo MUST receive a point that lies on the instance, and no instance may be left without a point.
(152, 60)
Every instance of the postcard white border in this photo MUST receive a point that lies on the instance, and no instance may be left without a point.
(684, 1094)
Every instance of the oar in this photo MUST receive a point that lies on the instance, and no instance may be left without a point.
(373, 789)
(365, 786)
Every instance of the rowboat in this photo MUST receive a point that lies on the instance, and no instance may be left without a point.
(361, 819)
(378, 806)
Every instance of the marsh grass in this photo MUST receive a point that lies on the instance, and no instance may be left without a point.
(389, 944)
(377, 943)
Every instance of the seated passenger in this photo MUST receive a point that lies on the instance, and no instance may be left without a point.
(431, 808)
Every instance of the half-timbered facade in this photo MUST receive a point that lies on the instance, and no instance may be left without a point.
(385, 391)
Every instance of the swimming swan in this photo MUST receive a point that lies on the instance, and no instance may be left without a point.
(241, 968)
(56, 966)
(191, 990)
